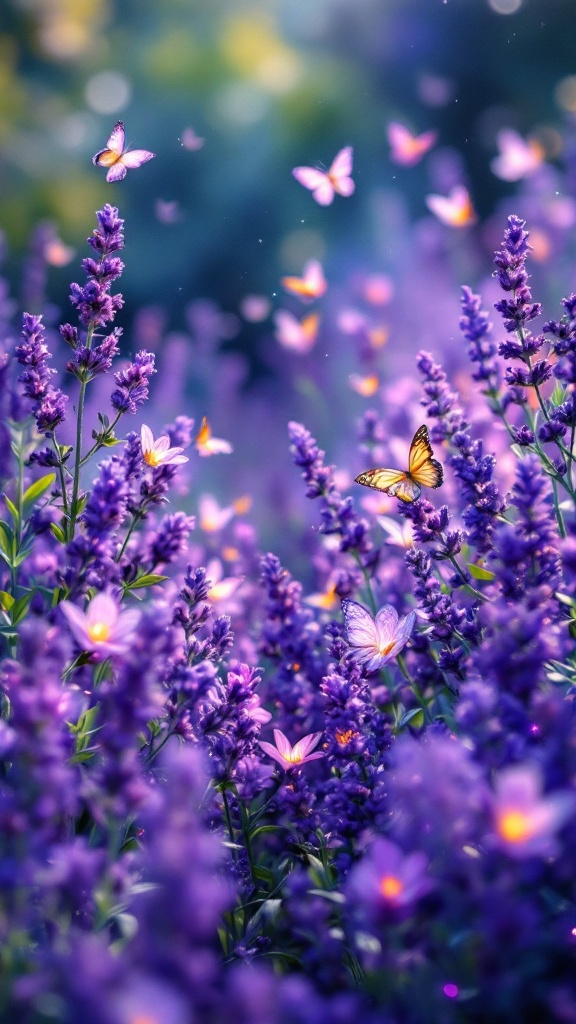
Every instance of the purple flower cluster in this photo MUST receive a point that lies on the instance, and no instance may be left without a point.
(48, 402)
(96, 307)
(223, 797)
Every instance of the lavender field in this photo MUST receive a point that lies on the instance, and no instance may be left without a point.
(288, 512)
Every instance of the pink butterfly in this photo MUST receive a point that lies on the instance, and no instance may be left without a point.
(297, 335)
(455, 210)
(407, 149)
(191, 141)
(517, 157)
(324, 184)
(118, 159)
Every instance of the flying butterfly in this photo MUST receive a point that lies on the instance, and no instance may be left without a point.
(423, 471)
(117, 158)
(325, 184)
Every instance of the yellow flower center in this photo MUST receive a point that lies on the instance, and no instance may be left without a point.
(514, 826)
(386, 648)
(390, 886)
(152, 458)
(293, 758)
(99, 632)
(343, 736)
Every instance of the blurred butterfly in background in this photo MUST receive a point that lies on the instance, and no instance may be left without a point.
(324, 184)
(117, 158)
(455, 210)
(312, 284)
(423, 471)
(296, 335)
(407, 149)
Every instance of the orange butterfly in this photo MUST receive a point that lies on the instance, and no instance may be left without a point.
(423, 471)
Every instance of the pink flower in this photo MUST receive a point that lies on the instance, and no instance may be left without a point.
(525, 821)
(292, 756)
(102, 629)
(375, 641)
(388, 879)
(255, 711)
(159, 453)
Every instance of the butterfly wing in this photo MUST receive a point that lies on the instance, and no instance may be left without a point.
(311, 285)
(293, 334)
(117, 170)
(423, 469)
(408, 149)
(136, 157)
(455, 210)
(113, 149)
(359, 626)
(340, 171)
(388, 480)
(317, 182)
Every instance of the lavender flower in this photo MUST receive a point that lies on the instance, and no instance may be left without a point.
(96, 307)
(48, 403)
(132, 389)
(338, 515)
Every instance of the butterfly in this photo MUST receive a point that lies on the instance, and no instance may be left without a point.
(312, 284)
(117, 158)
(407, 149)
(296, 335)
(455, 210)
(517, 158)
(324, 184)
(207, 445)
(423, 471)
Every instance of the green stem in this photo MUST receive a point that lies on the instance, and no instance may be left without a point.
(78, 450)
(463, 573)
(62, 478)
(98, 444)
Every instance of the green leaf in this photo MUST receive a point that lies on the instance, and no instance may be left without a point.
(20, 607)
(109, 441)
(263, 829)
(6, 600)
(12, 509)
(264, 875)
(148, 580)
(82, 756)
(58, 532)
(558, 395)
(6, 537)
(478, 573)
(332, 895)
(408, 716)
(37, 489)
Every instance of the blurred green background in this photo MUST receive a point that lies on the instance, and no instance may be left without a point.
(268, 85)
